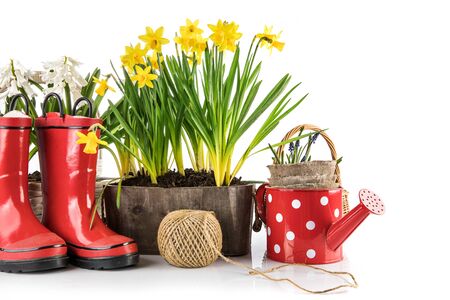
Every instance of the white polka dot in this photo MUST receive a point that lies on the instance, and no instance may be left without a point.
(310, 225)
(311, 253)
(279, 217)
(296, 203)
(268, 231)
(269, 198)
(324, 200)
(290, 235)
(276, 248)
(336, 212)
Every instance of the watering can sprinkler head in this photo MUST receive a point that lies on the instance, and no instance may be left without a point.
(370, 203)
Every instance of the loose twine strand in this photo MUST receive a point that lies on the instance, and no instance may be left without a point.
(193, 238)
(252, 271)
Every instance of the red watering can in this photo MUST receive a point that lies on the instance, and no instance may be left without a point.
(307, 226)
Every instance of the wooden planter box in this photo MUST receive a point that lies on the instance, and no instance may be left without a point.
(143, 208)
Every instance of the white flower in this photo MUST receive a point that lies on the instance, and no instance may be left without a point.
(13, 77)
(61, 73)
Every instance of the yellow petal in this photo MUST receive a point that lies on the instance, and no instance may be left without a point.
(83, 139)
(100, 142)
(278, 45)
(90, 149)
(159, 31)
(101, 90)
(139, 70)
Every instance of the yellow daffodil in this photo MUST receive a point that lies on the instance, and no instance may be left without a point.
(225, 35)
(270, 40)
(133, 56)
(102, 86)
(91, 140)
(144, 77)
(191, 40)
(189, 35)
(184, 41)
(199, 47)
(191, 28)
(155, 60)
(154, 39)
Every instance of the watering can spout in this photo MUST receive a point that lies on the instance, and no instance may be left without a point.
(339, 231)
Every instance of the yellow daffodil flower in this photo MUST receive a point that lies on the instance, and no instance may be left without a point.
(144, 77)
(133, 56)
(199, 47)
(270, 40)
(189, 35)
(102, 86)
(154, 39)
(184, 41)
(225, 35)
(154, 60)
(191, 40)
(191, 28)
(91, 140)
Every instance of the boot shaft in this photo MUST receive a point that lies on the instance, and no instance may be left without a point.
(68, 174)
(14, 149)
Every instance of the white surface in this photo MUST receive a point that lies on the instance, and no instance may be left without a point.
(154, 277)
(378, 77)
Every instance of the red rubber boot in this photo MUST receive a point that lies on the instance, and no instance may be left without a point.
(25, 244)
(68, 184)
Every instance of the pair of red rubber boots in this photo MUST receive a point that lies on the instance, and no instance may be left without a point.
(68, 186)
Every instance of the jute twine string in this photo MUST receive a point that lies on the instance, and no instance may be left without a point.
(184, 239)
(209, 236)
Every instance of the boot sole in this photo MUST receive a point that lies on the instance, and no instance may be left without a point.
(34, 265)
(105, 263)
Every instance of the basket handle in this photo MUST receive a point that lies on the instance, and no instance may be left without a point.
(325, 136)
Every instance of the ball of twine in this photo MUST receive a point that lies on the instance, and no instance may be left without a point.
(190, 238)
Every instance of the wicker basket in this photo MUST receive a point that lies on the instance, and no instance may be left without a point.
(295, 130)
(36, 199)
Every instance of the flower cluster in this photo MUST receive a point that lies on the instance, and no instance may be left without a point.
(224, 35)
(134, 55)
(61, 74)
(191, 40)
(138, 61)
(14, 79)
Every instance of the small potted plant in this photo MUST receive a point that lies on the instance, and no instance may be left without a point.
(201, 100)
(296, 169)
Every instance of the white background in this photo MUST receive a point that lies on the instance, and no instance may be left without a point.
(378, 77)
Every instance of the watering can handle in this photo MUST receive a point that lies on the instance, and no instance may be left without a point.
(260, 199)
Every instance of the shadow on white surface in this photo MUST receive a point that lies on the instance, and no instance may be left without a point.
(154, 277)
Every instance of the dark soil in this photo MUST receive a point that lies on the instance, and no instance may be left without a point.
(175, 179)
(35, 176)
